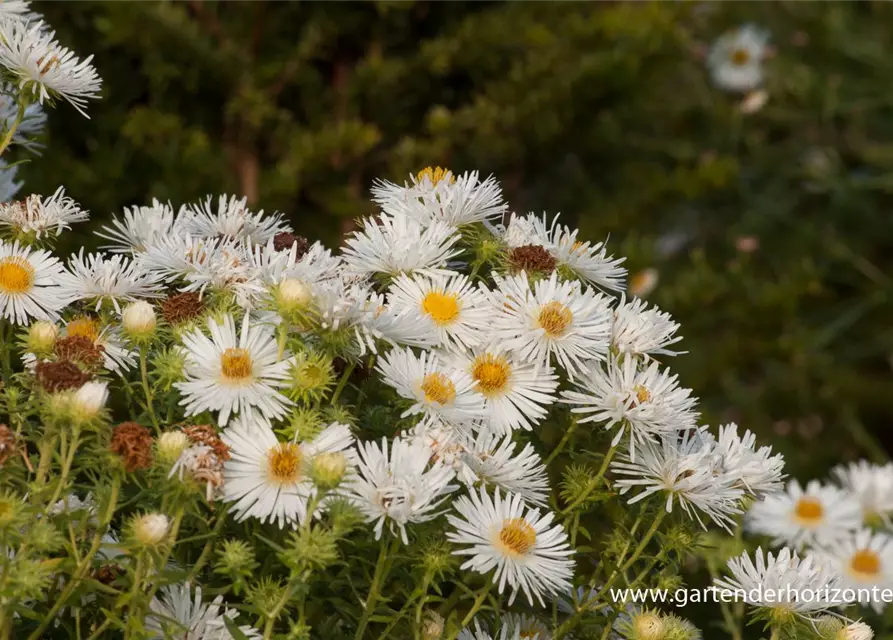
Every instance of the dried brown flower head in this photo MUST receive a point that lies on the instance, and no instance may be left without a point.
(532, 258)
(182, 307)
(207, 435)
(79, 349)
(284, 241)
(133, 443)
(8, 444)
(60, 376)
(107, 573)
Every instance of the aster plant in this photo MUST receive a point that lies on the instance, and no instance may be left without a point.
(458, 426)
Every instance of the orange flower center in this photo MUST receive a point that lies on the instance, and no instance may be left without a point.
(865, 562)
(16, 275)
(236, 365)
(435, 175)
(517, 536)
(284, 462)
(555, 318)
(438, 388)
(491, 373)
(809, 511)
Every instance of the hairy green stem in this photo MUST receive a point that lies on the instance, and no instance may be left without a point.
(593, 484)
(147, 390)
(564, 440)
(374, 588)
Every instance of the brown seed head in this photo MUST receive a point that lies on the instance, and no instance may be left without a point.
(532, 258)
(182, 307)
(207, 435)
(60, 376)
(284, 241)
(133, 443)
(79, 349)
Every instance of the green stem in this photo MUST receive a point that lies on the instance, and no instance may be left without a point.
(82, 567)
(144, 377)
(100, 630)
(574, 620)
(67, 461)
(206, 550)
(343, 382)
(563, 442)
(20, 115)
(375, 587)
(478, 602)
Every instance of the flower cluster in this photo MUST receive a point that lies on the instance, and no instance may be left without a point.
(461, 392)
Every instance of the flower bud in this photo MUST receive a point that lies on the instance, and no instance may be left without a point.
(292, 295)
(855, 631)
(139, 320)
(88, 401)
(150, 529)
(41, 337)
(432, 627)
(327, 470)
(648, 625)
(169, 445)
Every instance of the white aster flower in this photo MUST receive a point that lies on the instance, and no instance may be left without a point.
(516, 394)
(584, 260)
(686, 468)
(399, 487)
(556, 319)
(646, 402)
(736, 59)
(527, 551)
(514, 627)
(399, 245)
(454, 310)
(234, 372)
(862, 560)
(177, 614)
(231, 220)
(115, 279)
(872, 485)
(775, 582)
(816, 515)
(493, 461)
(436, 194)
(640, 331)
(71, 504)
(138, 228)
(757, 471)
(268, 479)
(311, 268)
(437, 389)
(30, 284)
(45, 69)
(40, 216)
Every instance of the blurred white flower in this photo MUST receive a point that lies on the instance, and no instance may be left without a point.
(736, 59)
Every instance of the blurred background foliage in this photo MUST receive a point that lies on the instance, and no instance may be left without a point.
(770, 232)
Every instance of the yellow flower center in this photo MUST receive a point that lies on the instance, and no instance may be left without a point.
(284, 462)
(438, 388)
(435, 175)
(442, 307)
(235, 364)
(555, 318)
(83, 326)
(16, 275)
(491, 373)
(865, 563)
(516, 537)
(739, 57)
(640, 395)
(808, 511)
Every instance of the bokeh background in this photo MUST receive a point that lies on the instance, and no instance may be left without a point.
(769, 234)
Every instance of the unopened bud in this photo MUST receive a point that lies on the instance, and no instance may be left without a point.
(139, 319)
(150, 529)
(170, 445)
(327, 469)
(88, 401)
(41, 337)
